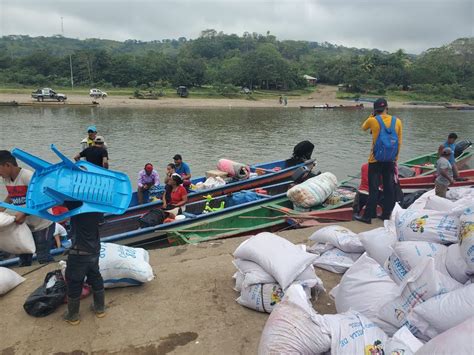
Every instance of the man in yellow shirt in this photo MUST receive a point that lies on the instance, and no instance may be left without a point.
(382, 159)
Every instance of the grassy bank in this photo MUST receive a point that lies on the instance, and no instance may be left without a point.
(403, 96)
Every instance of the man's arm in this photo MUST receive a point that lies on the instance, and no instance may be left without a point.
(440, 150)
(400, 136)
(157, 179)
(187, 173)
(140, 180)
(105, 162)
(7, 200)
(80, 155)
(444, 173)
(366, 125)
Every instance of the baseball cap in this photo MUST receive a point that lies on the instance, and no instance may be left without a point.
(148, 167)
(447, 151)
(178, 157)
(92, 129)
(99, 139)
(380, 104)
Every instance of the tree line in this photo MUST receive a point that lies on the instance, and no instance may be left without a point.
(252, 60)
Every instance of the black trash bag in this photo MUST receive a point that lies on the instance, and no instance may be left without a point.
(408, 199)
(152, 218)
(46, 298)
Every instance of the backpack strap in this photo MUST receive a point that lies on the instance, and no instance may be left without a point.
(394, 121)
(380, 121)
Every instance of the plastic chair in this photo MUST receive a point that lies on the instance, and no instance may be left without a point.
(99, 189)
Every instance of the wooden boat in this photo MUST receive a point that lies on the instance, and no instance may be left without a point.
(57, 104)
(427, 181)
(332, 107)
(267, 213)
(272, 173)
(9, 103)
(460, 107)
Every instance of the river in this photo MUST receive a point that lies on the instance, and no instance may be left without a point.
(136, 136)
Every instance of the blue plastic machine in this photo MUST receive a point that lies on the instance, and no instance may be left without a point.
(99, 189)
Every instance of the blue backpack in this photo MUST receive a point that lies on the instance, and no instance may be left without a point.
(386, 145)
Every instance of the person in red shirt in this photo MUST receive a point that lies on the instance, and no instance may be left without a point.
(177, 199)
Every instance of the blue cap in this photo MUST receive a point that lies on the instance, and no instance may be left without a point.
(92, 128)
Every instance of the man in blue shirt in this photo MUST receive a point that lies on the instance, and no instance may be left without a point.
(451, 144)
(182, 168)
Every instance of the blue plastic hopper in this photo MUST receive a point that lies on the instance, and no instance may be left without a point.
(99, 189)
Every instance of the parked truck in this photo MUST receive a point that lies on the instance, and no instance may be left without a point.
(48, 94)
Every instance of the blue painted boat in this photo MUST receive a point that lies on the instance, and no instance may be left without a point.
(269, 173)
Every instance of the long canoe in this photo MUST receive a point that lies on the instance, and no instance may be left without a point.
(273, 173)
(427, 181)
(426, 164)
(334, 107)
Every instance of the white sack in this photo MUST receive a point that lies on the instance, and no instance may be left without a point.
(403, 342)
(420, 202)
(122, 266)
(239, 280)
(261, 297)
(277, 256)
(377, 242)
(457, 193)
(294, 327)
(443, 312)
(456, 265)
(457, 340)
(254, 274)
(339, 237)
(9, 279)
(466, 238)
(428, 226)
(436, 203)
(313, 191)
(364, 288)
(352, 333)
(336, 260)
(15, 238)
(420, 284)
(406, 255)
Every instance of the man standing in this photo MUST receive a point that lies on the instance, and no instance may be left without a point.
(444, 171)
(451, 144)
(96, 154)
(147, 178)
(82, 262)
(89, 140)
(386, 142)
(16, 181)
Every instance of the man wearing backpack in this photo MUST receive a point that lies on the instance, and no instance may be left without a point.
(386, 142)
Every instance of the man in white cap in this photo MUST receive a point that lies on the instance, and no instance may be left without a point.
(444, 171)
(95, 154)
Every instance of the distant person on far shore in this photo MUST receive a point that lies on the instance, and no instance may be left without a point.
(147, 178)
(285, 100)
(95, 154)
(183, 170)
(89, 140)
(386, 133)
(280, 100)
(451, 144)
(445, 173)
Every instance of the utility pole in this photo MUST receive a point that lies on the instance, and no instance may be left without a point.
(62, 26)
(70, 56)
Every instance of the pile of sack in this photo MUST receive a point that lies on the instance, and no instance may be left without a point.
(267, 265)
(406, 286)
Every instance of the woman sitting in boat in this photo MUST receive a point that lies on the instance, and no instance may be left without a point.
(174, 202)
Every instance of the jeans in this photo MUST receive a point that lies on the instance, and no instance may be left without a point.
(78, 267)
(385, 170)
(43, 239)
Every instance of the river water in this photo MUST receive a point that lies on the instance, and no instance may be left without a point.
(136, 136)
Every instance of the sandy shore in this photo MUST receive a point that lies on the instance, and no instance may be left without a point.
(323, 95)
(189, 308)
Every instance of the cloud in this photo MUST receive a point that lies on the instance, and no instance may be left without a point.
(413, 25)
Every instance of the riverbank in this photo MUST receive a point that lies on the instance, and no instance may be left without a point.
(321, 96)
(189, 308)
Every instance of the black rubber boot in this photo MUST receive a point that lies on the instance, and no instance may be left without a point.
(72, 314)
(363, 219)
(98, 307)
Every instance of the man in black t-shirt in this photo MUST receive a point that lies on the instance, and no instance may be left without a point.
(96, 154)
(83, 261)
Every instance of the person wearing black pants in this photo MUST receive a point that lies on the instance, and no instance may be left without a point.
(82, 262)
(384, 167)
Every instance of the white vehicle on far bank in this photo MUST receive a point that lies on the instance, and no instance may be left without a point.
(97, 94)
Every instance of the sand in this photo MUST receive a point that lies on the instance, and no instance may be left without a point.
(189, 308)
(322, 95)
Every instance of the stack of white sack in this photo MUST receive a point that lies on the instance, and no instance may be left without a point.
(294, 327)
(15, 238)
(266, 266)
(460, 196)
(122, 266)
(313, 191)
(337, 248)
(210, 183)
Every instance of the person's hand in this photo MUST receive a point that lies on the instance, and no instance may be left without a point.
(20, 218)
(146, 187)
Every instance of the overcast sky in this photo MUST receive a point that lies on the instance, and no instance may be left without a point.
(414, 25)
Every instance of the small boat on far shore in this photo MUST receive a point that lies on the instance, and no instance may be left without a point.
(460, 107)
(9, 103)
(335, 107)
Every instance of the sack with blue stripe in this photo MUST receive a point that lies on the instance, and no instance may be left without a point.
(386, 145)
(122, 266)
